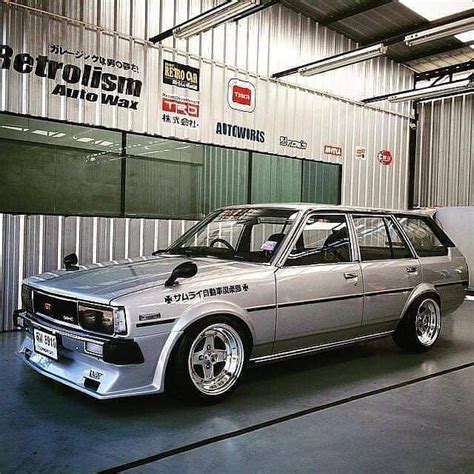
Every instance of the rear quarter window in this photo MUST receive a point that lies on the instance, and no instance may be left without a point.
(425, 235)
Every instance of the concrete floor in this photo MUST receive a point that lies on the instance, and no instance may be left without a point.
(368, 407)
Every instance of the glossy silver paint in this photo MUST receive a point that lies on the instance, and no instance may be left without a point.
(287, 310)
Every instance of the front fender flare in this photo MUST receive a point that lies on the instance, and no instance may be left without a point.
(190, 316)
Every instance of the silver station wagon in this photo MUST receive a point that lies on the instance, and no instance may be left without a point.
(248, 284)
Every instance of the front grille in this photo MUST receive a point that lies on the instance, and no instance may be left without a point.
(56, 308)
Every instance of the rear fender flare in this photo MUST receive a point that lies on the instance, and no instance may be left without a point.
(420, 290)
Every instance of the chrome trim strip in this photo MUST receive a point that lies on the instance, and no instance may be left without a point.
(55, 330)
(321, 347)
(449, 283)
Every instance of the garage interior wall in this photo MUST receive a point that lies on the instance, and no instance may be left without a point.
(444, 174)
(322, 110)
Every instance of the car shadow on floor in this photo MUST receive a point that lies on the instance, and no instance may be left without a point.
(305, 380)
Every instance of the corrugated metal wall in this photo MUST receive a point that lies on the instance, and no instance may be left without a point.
(444, 173)
(35, 244)
(322, 110)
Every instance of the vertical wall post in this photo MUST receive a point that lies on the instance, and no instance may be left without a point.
(412, 156)
(123, 173)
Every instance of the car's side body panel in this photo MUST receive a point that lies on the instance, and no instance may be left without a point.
(317, 304)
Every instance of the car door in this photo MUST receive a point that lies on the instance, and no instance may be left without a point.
(389, 269)
(319, 286)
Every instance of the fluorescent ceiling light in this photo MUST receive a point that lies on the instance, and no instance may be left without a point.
(225, 12)
(466, 37)
(84, 139)
(435, 9)
(344, 59)
(438, 32)
(16, 129)
(436, 91)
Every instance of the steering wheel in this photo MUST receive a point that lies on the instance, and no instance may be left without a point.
(222, 241)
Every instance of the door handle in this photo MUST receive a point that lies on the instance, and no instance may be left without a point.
(412, 269)
(351, 276)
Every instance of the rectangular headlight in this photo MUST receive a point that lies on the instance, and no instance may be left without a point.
(93, 318)
(27, 298)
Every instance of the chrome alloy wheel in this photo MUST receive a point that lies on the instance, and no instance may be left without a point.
(428, 322)
(216, 359)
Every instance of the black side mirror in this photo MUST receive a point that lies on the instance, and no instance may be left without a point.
(70, 262)
(184, 270)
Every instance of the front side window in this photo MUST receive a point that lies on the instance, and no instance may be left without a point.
(379, 239)
(248, 234)
(422, 233)
(324, 239)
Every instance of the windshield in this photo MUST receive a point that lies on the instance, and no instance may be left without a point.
(250, 234)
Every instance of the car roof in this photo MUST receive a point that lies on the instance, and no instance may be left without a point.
(300, 206)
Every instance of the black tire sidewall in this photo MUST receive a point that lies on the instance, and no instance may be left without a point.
(405, 335)
(178, 378)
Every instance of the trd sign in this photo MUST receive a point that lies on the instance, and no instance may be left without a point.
(241, 95)
(179, 107)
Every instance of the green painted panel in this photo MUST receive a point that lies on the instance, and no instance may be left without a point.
(321, 183)
(275, 179)
(225, 178)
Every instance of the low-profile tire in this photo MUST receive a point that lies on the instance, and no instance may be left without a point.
(420, 327)
(207, 363)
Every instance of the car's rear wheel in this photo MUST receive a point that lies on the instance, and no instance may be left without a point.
(208, 361)
(419, 329)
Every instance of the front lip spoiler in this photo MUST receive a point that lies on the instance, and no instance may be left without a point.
(127, 393)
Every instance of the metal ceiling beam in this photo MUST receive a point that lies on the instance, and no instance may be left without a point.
(399, 35)
(444, 71)
(349, 12)
(433, 52)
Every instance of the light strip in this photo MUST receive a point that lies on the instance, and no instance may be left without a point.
(344, 59)
(214, 17)
(438, 32)
(436, 91)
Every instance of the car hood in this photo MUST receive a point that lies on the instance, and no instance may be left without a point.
(102, 283)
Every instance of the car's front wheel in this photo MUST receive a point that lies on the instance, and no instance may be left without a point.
(420, 327)
(208, 361)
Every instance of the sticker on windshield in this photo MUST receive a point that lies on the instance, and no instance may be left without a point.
(269, 245)
(206, 293)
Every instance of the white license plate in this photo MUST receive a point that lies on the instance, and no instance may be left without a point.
(45, 344)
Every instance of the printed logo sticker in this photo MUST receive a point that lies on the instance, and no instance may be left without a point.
(241, 95)
(385, 157)
(333, 150)
(361, 153)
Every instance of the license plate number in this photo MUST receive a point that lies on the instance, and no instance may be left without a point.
(46, 344)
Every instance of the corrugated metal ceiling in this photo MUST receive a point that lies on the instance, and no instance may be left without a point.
(369, 21)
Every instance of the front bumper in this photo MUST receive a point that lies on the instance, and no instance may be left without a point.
(86, 372)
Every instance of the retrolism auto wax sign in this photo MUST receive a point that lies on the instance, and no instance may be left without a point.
(88, 82)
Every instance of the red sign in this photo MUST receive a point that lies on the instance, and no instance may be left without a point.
(180, 107)
(385, 157)
(241, 95)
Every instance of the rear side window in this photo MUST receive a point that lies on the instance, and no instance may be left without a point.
(425, 235)
(379, 239)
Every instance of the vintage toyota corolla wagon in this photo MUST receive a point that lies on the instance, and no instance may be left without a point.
(248, 284)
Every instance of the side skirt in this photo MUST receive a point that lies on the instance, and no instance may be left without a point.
(322, 347)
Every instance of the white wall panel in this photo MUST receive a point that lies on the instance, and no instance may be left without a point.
(35, 244)
(444, 174)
